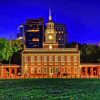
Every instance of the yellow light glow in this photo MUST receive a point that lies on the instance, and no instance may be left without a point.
(50, 37)
(50, 46)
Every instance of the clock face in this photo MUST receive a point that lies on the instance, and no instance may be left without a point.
(50, 37)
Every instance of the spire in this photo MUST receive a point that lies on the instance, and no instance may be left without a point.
(50, 17)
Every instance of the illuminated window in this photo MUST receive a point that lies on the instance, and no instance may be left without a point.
(62, 58)
(68, 58)
(69, 70)
(44, 70)
(45, 58)
(26, 58)
(32, 59)
(50, 58)
(56, 70)
(75, 69)
(56, 58)
(51, 70)
(38, 58)
(59, 38)
(74, 58)
(32, 70)
(35, 39)
(38, 70)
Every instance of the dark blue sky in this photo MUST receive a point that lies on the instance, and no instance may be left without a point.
(82, 17)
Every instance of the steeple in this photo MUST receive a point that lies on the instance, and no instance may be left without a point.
(50, 17)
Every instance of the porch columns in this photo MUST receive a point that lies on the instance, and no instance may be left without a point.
(4, 72)
(98, 71)
(15, 72)
(91, 71)
(86, 71)
(10, 72)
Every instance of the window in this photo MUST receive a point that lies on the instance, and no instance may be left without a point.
(50, 26)
(62, 58)
(38, 70)
(56, 70)
(26, 58)
(68, 58)
(59, 38)
(68, 70)
(56, 58)
(74, 58)
(50, 58)
(44, 70)
(75, 70)
(45, 58)
(38, 58)
(32, 70)
(51, 70)
(32, 59)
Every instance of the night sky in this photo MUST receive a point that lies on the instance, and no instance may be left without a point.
(82, 17)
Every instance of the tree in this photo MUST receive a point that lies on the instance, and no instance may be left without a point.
(8, 48)
(88, 53)
(3, 43)
(16, 57)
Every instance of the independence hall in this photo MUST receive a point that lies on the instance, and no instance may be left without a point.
(45, 55)
(50, 61)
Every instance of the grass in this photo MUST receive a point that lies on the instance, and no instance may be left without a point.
(50, 89)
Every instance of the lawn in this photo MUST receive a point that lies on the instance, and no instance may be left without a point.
(50, 89)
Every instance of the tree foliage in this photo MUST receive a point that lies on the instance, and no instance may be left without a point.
(13, 49)
(8, 48)
(88, 53)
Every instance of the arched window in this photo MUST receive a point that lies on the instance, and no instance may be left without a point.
(44, 70)
(68, 58)
(38, 58)
(45, 58)
(50, 58)
(56, 58)
(32, 59)
(62, 58)
(32, 70)
(26, 58)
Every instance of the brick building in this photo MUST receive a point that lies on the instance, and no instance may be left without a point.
(50, 60)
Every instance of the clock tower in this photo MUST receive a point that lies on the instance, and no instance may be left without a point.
(50, 34)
